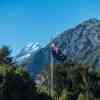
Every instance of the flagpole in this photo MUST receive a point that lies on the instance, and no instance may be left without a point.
(51, 73)
(51, 68)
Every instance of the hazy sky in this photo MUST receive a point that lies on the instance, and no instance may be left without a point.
(24, 21)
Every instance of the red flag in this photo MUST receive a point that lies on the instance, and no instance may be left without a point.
(57, 53)
(55, 48)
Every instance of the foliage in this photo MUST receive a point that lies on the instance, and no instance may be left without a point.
(74, 81)
(5, 57)
(15, 81)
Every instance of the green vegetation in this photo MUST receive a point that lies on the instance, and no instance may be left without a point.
(15, 82)
(74, 81)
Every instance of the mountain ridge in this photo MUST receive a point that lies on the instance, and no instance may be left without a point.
(28, 50)
(78, 43)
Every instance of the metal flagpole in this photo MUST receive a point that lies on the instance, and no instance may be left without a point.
(51, 73)
(51, 76)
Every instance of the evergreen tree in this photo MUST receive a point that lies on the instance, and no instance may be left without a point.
(5, 55)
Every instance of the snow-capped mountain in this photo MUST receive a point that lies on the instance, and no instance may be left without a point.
(81, 43)
(31, 47)
(27, 51)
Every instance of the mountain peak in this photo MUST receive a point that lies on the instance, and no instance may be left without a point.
(28, 50)
(92, 21)
(34, 46)
(30, 44)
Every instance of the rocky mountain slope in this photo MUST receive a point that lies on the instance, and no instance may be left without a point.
(81, 43)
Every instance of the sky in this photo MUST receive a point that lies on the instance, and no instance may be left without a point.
(26, 21)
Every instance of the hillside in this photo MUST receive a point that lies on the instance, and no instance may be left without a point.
(80, 43)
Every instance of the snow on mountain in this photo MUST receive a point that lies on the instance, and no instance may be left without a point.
(31, 47)
(27, 51)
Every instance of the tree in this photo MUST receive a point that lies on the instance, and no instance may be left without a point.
(15, 81)
(76, 81)
(5, 57)
(18, 85)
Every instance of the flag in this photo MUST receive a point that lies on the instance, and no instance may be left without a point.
(57, 53)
